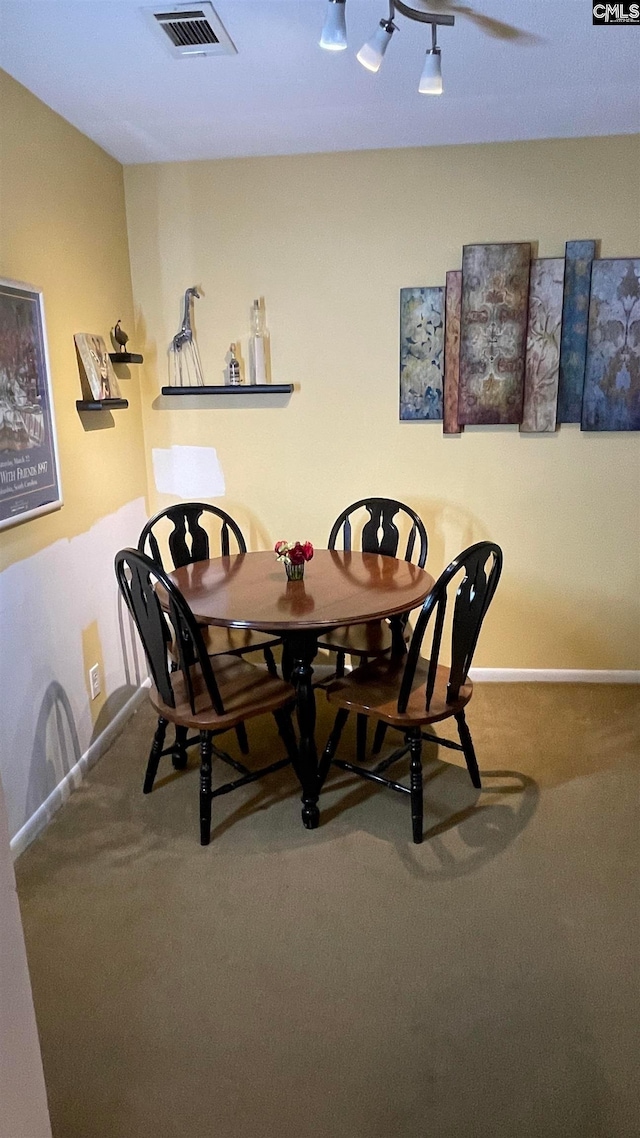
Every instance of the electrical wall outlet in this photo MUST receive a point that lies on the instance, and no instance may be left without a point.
(94, 681)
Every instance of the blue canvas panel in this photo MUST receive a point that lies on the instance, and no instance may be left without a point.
(573, 341)
(612, 381)
(421, 352)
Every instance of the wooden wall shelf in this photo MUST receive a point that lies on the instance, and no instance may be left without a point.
(125, 358)
(233, 389)
(101, 405)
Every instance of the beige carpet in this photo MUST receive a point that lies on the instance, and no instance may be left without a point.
(346, 983)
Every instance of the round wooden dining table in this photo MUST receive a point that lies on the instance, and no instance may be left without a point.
(251, 590)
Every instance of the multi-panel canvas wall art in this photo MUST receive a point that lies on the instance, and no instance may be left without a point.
(29, 471)
(612, 381)
(573, 342)
(421, 352)
(516, 341)
(543, 345)
(495, 294)
(452, 305)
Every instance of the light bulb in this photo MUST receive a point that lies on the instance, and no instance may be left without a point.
(334, 32)
(431, 78)
(372, 53)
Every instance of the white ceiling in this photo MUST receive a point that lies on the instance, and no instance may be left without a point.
(98, 63)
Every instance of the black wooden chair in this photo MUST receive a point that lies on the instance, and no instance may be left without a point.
(372, 523)
(208, 694)
(407, 692)
(187, 537)
(187, 532)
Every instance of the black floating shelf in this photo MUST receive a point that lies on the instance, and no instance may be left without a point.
(101, 405)
(235, 389)
(125, 358)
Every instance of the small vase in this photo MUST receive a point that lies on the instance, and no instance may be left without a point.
(294, 572)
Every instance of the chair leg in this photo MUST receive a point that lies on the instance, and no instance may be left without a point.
(468, 750)
(361, 738)
(415, 744)
(205, 787)
(179, 756)
(270, 662)
(340, 662)
(241, 736)
(378, 738)
(154, 757)
(332, 744)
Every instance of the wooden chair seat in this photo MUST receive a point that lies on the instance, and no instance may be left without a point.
(222, 641)
(373, 691)
(371, 639)
(245, 691)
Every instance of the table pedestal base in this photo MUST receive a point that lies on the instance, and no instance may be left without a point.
(300, 651)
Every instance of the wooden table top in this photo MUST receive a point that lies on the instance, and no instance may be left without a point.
(251, 590)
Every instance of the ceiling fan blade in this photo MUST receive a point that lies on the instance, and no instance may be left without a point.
(496, 28)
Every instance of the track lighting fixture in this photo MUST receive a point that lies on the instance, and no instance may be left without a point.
(334, 38)
(431, 78)
(334, 31)
(372, 52)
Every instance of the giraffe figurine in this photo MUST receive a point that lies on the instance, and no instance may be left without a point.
(185, 369)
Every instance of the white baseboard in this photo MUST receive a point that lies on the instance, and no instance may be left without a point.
(73, 778)
(553, 676)
(528, 675)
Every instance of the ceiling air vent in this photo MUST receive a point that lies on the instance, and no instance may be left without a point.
(191, 29)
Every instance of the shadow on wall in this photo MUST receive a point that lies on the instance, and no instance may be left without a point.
(132, 654)
(132, 660)
(450, 528)
(56, 745)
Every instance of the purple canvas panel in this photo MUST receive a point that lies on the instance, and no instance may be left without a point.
(453, 302)
(543, 345)
(493, 336)
(612, 380)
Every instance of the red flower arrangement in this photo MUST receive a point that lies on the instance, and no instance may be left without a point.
(293, 553)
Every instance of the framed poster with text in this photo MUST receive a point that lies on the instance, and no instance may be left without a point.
(29, 470)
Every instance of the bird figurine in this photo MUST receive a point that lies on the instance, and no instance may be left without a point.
(120, 337)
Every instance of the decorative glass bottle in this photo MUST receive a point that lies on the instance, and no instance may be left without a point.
(258, 345)
(234, 367)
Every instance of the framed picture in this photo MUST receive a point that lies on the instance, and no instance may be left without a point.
(29, 467)
(97, 367)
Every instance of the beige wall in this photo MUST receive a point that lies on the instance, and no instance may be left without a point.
(63, 229)
(329, 240)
